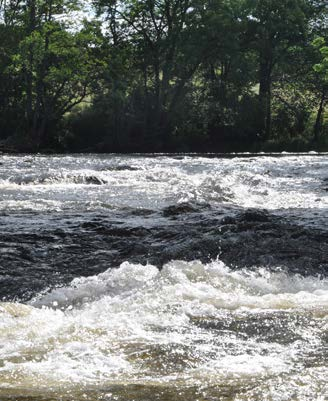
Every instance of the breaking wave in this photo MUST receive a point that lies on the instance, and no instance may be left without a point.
(48, 179)
(188, 326)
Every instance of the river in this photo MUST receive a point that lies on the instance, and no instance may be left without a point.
(167, 278)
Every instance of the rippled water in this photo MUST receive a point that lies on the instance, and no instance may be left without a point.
(95, 330)
(70, 182)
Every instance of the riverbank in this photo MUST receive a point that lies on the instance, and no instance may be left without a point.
(17, 145)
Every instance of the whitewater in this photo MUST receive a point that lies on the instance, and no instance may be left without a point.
(144, 278)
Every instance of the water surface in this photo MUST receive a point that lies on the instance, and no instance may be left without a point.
(115, 264)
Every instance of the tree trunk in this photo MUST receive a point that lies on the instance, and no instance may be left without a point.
(317, 125)
(265, 97)
(29, 71)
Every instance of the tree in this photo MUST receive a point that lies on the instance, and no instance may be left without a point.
(162, 74)
(275, 26)
(321, 75)
(10, 86)
(56, 66)
(166, 52)
(228, 70)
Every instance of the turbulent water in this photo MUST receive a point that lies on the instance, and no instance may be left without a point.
(164, 278)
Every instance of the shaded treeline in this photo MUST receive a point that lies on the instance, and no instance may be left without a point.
(163, 75)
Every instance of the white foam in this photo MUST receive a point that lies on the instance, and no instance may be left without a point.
(121, 324)
(288, 183)
(214, 284)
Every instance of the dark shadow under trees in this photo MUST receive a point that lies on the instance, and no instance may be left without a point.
(164, 75)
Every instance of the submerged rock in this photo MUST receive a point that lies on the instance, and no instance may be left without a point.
(123, 167)
(183, 208)
(254, 216)
(176, 210)
(94, 180)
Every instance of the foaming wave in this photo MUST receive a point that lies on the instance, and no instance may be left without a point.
(113, 282)
(82, 178)
(188, 326)
(213, 284)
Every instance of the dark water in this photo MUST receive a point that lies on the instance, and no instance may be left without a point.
(163, 278)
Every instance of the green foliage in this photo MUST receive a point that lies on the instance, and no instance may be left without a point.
(164, 75)
(55, 67)
(322, 67)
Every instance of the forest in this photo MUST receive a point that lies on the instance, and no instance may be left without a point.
(163, 75)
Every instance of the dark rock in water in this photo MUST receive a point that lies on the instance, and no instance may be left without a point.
(178, 209)
(142, 212)
(25, 181)
(183, 208)
(228, 220)
(94, 180)
(122, 167)
(60, 233)
(254, 216)
(125, 167)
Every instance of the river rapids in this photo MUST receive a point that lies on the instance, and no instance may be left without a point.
(164, 278)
